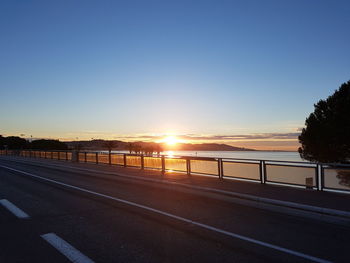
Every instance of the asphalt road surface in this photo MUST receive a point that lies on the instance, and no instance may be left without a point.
(51, 214)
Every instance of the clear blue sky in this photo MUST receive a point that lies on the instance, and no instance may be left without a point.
(111, 68)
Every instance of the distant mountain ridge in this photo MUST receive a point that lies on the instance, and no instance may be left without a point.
(210, 147)
(120, 145)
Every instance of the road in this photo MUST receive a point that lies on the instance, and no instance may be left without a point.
(99, 219)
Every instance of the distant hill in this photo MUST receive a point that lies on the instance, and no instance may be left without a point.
(121, 146)
(210, 147)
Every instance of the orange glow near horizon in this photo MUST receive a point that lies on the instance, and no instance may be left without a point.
(172, 141)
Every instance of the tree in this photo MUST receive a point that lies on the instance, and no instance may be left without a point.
(148, 149)
(159, 149)
(77, 146)
(43, 144)
(130, 147)
(2, 142)
(110, 145)
(326, 137)
(15, 143)
(137, 148)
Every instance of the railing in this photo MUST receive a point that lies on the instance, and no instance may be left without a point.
(317, 176)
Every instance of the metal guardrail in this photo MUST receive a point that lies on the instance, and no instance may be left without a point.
(316, 176)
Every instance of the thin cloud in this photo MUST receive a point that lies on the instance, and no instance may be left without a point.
(291, 136)
(264, 136)
(234, 137)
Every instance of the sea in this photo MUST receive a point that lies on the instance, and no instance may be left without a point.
(336, 178)
(258, 155)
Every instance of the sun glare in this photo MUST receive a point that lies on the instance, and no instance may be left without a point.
(171, 140)
(169, 154)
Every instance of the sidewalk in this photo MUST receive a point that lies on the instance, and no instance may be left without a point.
(241, 189)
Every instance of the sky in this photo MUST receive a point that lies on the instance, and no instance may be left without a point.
(246, 73)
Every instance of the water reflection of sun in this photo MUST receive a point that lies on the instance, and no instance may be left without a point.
(169, 154)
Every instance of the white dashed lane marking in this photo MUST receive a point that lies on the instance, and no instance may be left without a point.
(66, 249)
(14, 209)
(179, 218)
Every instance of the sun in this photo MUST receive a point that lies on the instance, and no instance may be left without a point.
(170, 140)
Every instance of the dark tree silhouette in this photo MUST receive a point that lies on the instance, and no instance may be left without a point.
(48, 145)
(130, 147)
(110, 145)
(78, 147)
(159, 149)
(326, 137)
(2, 142)
(137, 148)
(148, 150)
(15, 143)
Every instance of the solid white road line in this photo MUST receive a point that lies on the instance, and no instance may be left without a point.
(179, 218)
(14, 209)
(66, 249)
(303, 207)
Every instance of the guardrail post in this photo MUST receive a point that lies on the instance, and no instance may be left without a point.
(109, 158)
(163, 164)
(51, 155)
(220, 168)
(321, 178)
(142, 162)
(262, 172)
(188, 166)
(125, 165)
(66, 155)
(96, 157)
(85, 156)
(59, 155)
(317, 175)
